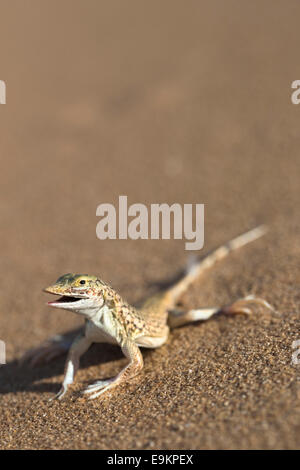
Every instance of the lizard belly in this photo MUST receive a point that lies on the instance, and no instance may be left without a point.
(98, 335)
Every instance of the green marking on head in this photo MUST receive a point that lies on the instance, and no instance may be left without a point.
(66, 279)
(77, 280)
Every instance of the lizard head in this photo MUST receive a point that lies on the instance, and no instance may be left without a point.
(79, 293)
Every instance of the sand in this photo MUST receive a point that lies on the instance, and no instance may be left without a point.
(162, 102)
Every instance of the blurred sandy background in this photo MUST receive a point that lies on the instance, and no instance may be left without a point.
(163, 101)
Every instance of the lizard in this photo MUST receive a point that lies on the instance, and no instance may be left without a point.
(110, 319)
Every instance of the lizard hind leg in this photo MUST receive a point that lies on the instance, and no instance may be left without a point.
(178, 318)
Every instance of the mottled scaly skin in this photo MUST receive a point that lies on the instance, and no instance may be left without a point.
(155, 312)
(150, 319)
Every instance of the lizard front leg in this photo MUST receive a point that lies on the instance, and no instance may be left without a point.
(133, 353)
(79, 346)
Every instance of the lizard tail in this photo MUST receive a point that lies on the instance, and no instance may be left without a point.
(197, 268)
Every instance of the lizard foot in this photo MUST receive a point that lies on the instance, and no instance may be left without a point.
(243, 305)
(60, 394)
(99, 387)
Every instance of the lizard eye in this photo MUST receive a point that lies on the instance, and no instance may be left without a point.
(82, 281)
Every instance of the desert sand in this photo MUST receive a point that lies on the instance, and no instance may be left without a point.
(172, 101)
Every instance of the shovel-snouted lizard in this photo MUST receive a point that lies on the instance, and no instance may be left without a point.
(109, 319)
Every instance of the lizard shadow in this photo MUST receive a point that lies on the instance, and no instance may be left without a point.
(24, 378)
(21, 378)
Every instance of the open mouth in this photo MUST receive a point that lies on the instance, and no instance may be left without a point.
(65, 299)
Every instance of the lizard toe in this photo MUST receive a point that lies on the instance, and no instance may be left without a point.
(97, 386)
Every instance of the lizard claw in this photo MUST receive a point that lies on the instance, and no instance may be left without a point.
(60, 394)
(96, 395)
(98, 388)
